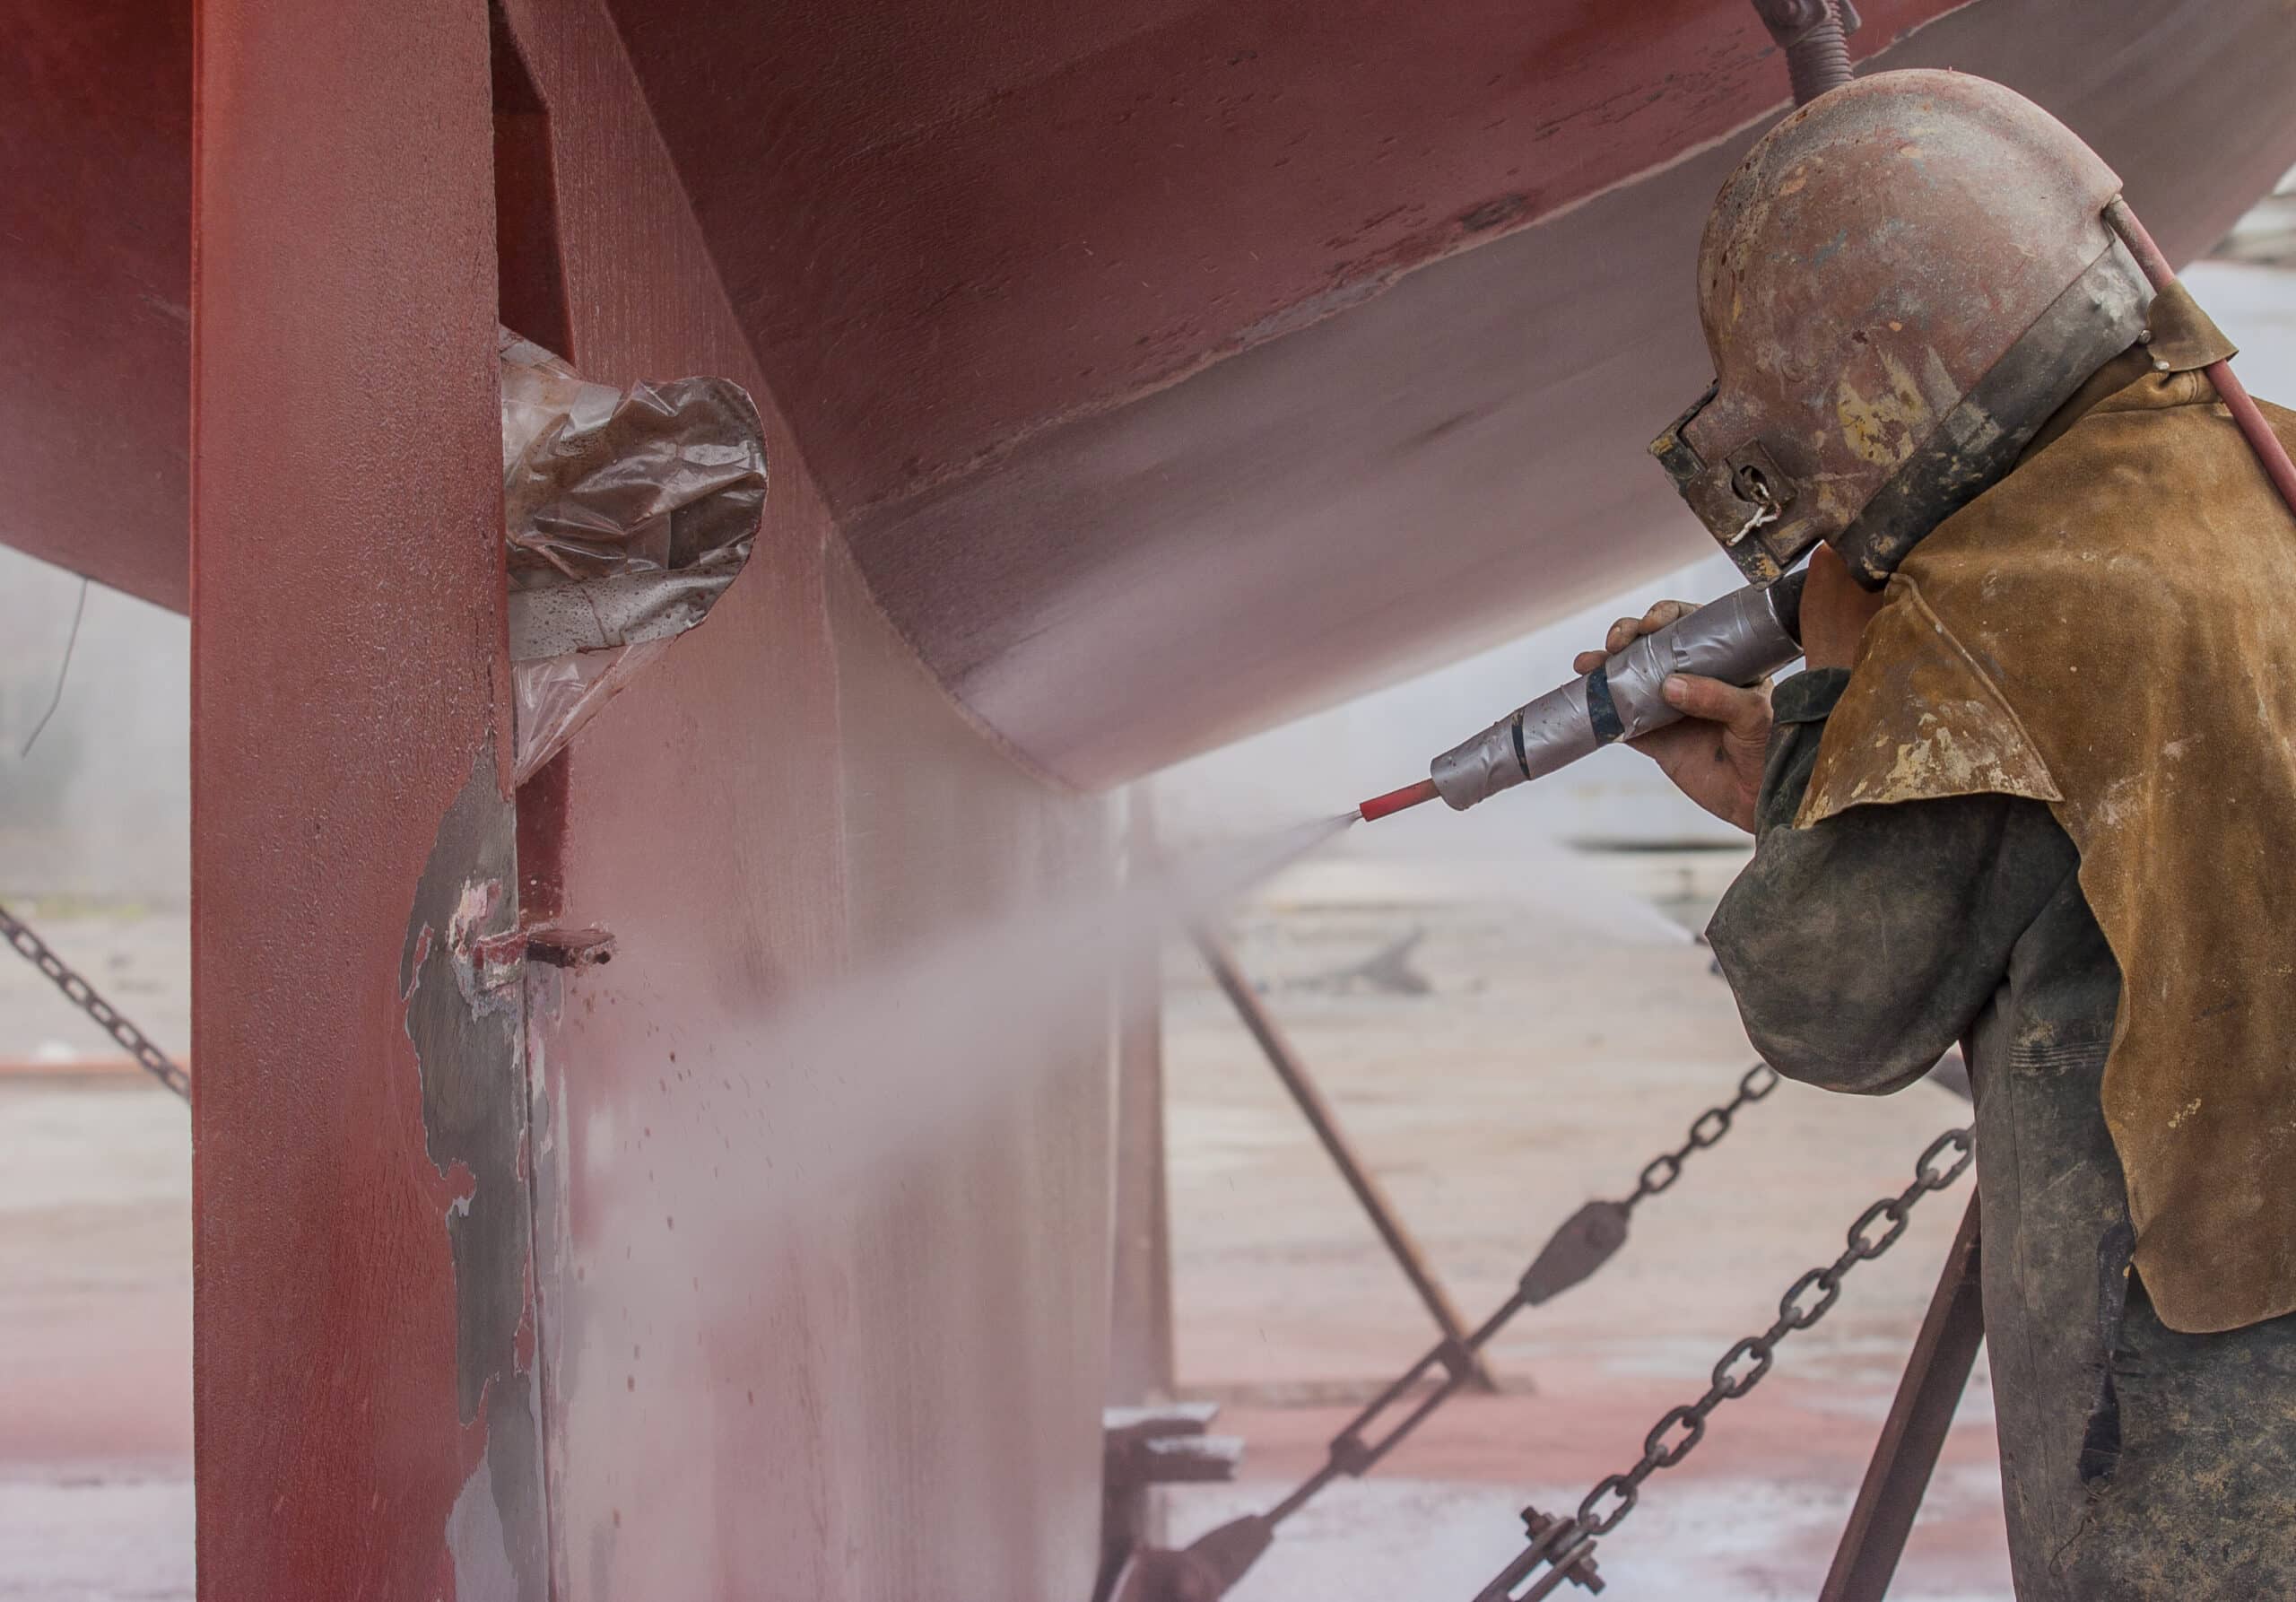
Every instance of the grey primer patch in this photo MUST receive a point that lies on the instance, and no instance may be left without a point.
(465, 1024)
(480, 1545)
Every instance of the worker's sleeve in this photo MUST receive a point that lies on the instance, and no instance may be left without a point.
(1863, 946)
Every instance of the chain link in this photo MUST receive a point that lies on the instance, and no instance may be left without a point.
(1354, 1451)
(1709, 1127)
(153, 1061)
(1795, 1311)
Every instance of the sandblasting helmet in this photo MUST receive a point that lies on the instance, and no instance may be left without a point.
(1900, 285)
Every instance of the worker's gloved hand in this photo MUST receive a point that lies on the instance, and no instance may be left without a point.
(1714, 753)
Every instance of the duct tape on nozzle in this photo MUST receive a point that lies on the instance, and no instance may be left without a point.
(1739, 639)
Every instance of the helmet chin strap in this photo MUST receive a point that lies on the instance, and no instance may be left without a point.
(2270, 453)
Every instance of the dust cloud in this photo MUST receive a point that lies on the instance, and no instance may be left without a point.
(100, 808)
(884, 1062)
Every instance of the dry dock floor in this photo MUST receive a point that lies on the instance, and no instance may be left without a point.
(1565, 1033)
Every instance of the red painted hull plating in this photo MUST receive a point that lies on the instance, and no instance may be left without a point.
(1135, 376)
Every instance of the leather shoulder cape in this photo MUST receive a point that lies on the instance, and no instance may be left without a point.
(2111, 629)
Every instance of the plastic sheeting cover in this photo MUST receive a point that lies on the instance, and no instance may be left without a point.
(627, 513)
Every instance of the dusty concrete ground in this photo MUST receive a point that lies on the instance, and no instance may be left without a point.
(95, 1274)
(1564, 1035)
(95, 1320)
(1567, 1032)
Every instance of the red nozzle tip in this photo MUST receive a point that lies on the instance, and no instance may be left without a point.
(1411, 795)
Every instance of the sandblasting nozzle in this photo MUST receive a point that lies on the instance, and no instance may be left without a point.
(1738, 639)
(1395, 801)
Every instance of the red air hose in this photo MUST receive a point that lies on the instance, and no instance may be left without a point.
(2270, 453)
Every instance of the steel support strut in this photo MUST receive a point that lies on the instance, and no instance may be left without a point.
(1914, 1434)
(1458, 1353)
(1140, 1367)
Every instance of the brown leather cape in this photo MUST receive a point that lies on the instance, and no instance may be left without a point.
(2111, 629)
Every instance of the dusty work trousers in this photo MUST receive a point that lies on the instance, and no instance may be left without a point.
(1859, 950)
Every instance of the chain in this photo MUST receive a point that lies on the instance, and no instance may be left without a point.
(155, 1061)
(1792, 1313)
(1708, 1128)
(1566, 1545)
(1583, 1244)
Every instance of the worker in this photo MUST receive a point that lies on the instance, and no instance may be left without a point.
(2033, 790)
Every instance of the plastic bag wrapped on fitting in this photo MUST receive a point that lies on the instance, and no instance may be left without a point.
(627, 512)
(555, 696)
